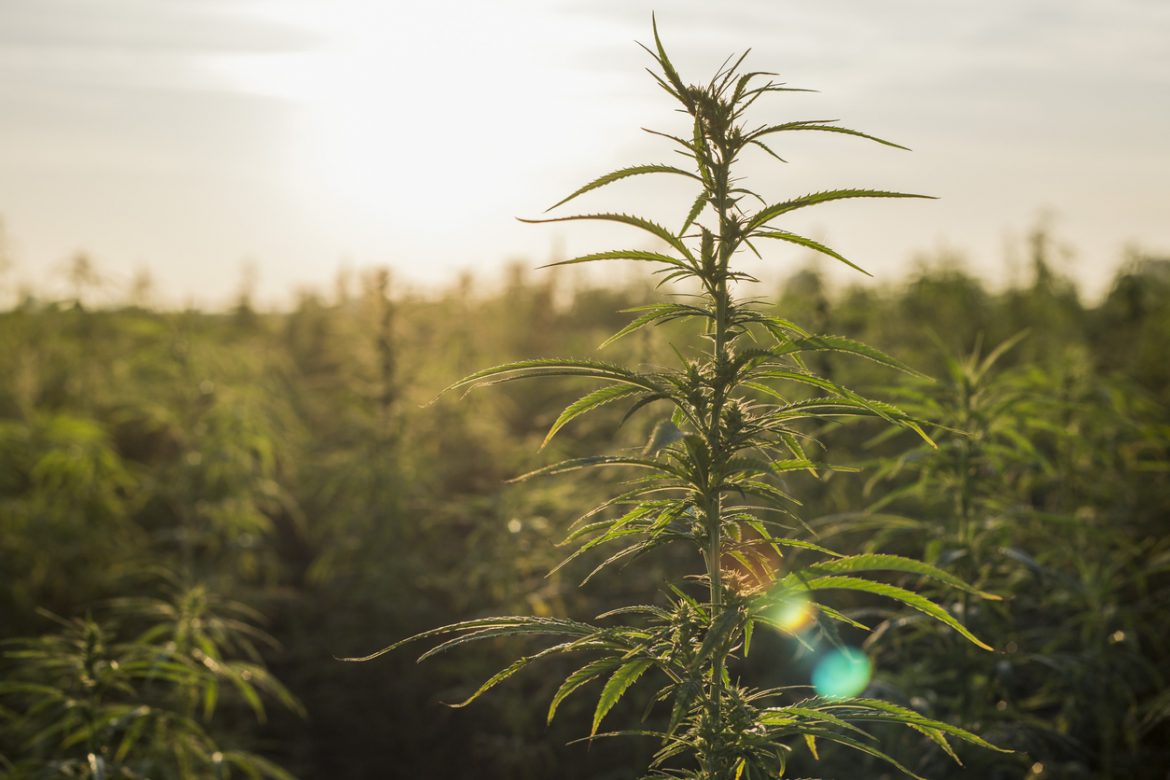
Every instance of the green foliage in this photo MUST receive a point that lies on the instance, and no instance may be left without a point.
(133, 695)
(738, 412)
(1002, 507)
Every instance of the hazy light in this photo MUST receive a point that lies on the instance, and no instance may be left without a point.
(184, 137)
(842, 673)
(407, 110)
(793, 614)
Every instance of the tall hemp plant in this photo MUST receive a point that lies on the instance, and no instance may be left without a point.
(742, 413)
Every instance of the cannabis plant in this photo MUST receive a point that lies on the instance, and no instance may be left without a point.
(136, 693)
(1012, 496)
(742, 420)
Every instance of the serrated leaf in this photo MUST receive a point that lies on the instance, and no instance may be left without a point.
(718, 633)
(664, 61)
(862, 747)
(907, 597)
(555, 626)
(938, 738)
(588, 403)
(826, 343)
(693, 214)
(625, 552)
(822, 125)
(626, 219)
(616, 687)
(524, 369)
(808, 243)
(582, 676)
(651, 314)
(886, 562)
(594, 461)
(908, 716)
(623, 173)
(768, 213)
(623, 254)
(513, 668)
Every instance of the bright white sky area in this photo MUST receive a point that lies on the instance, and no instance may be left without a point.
(193, 137)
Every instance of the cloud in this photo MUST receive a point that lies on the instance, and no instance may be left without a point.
(174, 26)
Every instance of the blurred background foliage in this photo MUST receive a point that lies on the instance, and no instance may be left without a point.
(201, 511)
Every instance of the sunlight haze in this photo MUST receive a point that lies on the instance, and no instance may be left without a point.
(191, 139)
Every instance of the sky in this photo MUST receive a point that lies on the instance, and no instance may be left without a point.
(209, 141)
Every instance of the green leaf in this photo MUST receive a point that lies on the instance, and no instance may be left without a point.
(719, 634)
(625, 552)
(654, 313)
(825, 343)
(808, 243)
(526, 369)
(885, 562)
(911, 717)
(764, 490)
(521, 624)
(256, 766)
(685, 694)
(646, 225)
(862, 747)
(623, 173)
(514, 667)
(821, 125)
(594, 461)
(617, 530)
(693, 214)
(909, 598)
(210, 696)
(582, 676)
(616, 687)
(667, 68)
(502, 631)
(623, 254)
(768, 149)
(768, 213)
(250, 695)
(588, 403)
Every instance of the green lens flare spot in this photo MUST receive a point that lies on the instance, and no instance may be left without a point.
(842, 673)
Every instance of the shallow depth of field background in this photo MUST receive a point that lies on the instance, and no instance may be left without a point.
(243, 245)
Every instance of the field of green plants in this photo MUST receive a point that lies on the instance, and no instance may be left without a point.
(857, 532)
(201, 512)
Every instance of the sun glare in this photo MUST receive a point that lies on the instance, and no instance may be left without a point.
(406, 112)
(794, 614)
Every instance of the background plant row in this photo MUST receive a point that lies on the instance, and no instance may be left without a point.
(283, 460)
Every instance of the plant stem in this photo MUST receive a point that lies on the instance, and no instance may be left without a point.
(720, 391)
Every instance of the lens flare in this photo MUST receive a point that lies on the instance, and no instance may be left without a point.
(842, 673)
(793, 614)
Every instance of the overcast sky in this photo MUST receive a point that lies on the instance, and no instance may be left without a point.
(192, 137)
